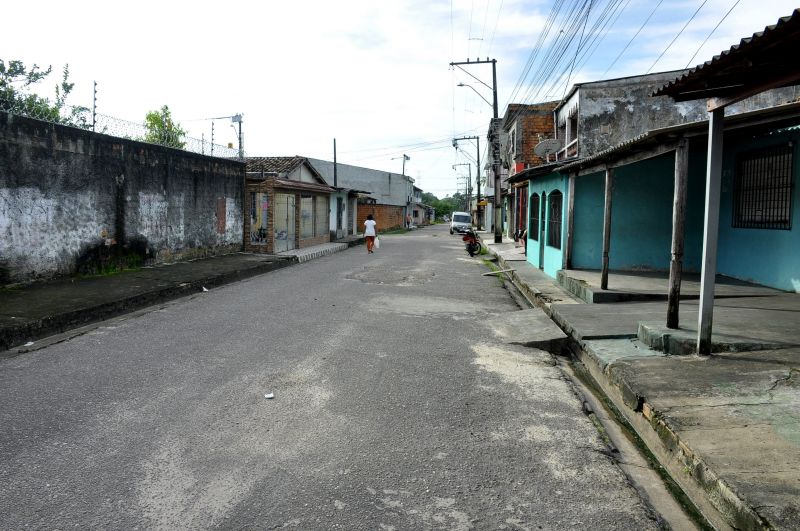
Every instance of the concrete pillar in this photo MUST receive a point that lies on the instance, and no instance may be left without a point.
(710, 230)
(607, 226)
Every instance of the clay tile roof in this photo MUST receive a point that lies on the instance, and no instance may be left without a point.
(274, 164)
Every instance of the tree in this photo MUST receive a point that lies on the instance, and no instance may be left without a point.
(444, 206)
(162, 129)
(15, 82)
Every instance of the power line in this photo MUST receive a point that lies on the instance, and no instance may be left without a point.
(578, 49)
(676, 37)
(633, 38)
(712, 32)
(494, 31)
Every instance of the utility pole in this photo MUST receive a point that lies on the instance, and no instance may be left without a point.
(237, 119)
(494, 140)
(478, 177)
(410, 190)
(468, 187)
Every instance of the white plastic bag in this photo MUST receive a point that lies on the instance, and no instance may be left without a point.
(377, 243)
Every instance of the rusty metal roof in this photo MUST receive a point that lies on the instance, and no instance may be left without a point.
(301, 186)
(771, 54)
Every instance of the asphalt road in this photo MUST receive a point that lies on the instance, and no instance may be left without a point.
(396, 406)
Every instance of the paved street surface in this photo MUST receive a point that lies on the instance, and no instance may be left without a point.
(396, 406)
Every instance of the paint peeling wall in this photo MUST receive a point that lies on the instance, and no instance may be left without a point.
(66, 193)
(614, 111)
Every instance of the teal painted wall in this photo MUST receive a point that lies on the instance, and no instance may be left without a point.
(553, 258)
(587, 219)
(641, 216)
(764, 256)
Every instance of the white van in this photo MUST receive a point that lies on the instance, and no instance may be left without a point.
(460, 222)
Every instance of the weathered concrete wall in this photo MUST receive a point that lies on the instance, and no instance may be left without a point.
(70, 198)
(614, 111)
(384, 187)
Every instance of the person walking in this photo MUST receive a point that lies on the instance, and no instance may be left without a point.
(370, 233)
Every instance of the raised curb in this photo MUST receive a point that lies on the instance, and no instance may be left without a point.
(11, 336)
(586, 293)
(684, 342)
(718, 502)
(330, 249)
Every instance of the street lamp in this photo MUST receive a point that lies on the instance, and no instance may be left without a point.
(410, 189)
(476, 92)
(405, 158)
(498, 232)
(237, 119)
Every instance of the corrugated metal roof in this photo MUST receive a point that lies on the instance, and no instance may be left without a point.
(772, 51)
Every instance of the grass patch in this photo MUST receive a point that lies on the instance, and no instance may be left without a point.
(492, 267)
(109, 271)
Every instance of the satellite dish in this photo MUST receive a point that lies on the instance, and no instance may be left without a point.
(548, 146)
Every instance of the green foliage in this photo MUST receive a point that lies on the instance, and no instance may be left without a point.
(445, 206)
(162, 129)
(16, 81)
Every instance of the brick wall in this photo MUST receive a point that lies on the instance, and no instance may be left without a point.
(251, 239)
(386, 216)
(534, 123)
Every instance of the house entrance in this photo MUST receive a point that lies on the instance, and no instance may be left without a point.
(284, 222)
(339, 218)
(351, 216)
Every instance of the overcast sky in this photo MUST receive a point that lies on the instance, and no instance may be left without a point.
(373, 74)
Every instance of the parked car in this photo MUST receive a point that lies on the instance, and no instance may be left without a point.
(460, 222)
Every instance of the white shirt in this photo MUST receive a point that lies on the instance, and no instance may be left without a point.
(370, 227)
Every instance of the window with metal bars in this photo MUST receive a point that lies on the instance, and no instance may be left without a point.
(762, 192)
(554, 203)
(533, 225)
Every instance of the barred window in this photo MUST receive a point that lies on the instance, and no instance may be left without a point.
(762, 196)
(554, 202)
(533, 225)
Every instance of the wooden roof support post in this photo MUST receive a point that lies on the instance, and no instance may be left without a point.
(678, 224)
(567, 262)
(710, 230)
(607, 226)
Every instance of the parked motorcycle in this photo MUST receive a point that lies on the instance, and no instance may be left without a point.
(471, 242)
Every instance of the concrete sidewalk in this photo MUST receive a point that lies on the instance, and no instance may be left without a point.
(33, 312)
(726, 427)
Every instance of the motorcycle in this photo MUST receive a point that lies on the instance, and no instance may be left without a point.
(471, 242)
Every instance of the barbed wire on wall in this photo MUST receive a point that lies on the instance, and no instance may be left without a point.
(81, 117)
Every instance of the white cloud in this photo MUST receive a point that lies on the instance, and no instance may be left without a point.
(372, 74)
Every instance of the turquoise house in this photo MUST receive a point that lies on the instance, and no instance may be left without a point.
(758, 241)
(547, 198)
